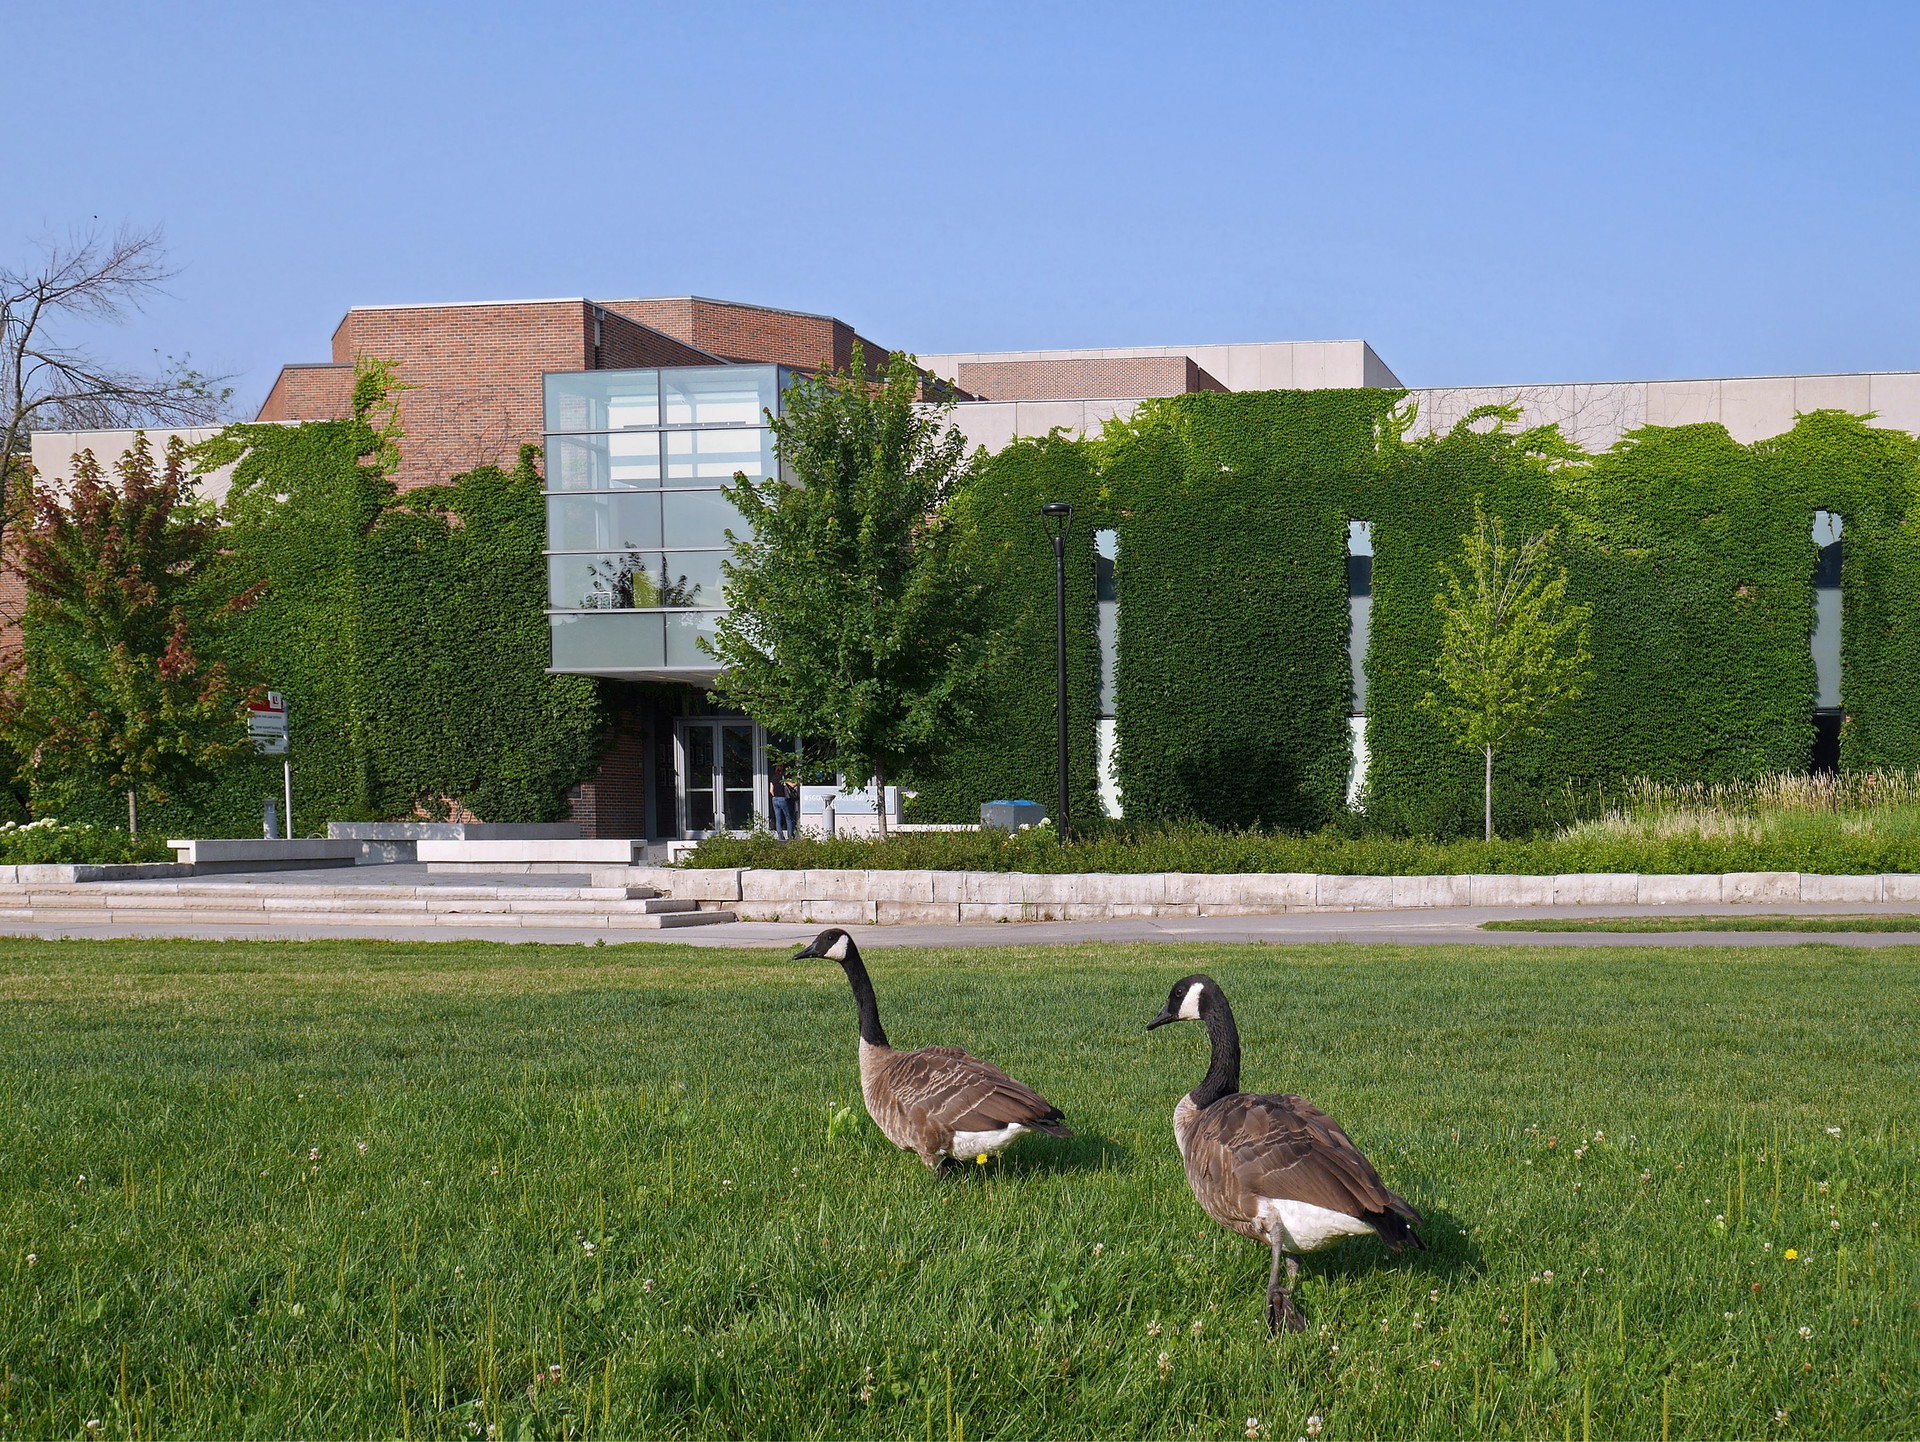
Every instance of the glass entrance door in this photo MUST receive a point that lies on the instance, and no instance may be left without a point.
(720, 777)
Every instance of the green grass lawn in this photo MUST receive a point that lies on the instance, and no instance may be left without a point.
(1757, 922)
(419, 1190)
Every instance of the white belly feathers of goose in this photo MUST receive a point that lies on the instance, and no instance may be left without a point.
(1275, 1169)
(940, 1103)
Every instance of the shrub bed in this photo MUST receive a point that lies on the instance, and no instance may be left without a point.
(50, 842)
(1833, 849)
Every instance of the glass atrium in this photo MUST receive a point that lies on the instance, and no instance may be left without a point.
(636, 521)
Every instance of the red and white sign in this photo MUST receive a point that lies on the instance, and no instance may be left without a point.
(267, 724)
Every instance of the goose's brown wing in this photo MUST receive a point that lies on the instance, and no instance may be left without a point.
(941, 1090)
(1284, 1147)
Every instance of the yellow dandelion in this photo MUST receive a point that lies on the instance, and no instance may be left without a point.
(1792, 1256)
(981, 1159)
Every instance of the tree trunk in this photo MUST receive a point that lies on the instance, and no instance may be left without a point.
(133, 815)
(1489, 835)
(880, 798)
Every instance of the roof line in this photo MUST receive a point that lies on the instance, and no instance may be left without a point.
(741, 305)
(470, 304)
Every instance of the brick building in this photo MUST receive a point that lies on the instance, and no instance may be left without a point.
(475, 370)
(647, 407)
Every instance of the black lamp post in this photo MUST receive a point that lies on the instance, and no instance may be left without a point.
(1058, 516)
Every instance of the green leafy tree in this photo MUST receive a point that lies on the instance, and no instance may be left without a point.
(1511, 648)
(113, 691)
(855, 616)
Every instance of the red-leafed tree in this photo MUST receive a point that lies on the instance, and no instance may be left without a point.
(114, 689)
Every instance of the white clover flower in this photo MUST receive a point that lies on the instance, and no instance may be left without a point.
(1806, 1334)
(1314, 1424)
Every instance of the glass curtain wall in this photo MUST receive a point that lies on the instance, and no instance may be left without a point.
(636, 521)
(1359, 624)
(1106, 554)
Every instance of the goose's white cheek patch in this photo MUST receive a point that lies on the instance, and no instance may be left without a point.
(838, 951)
(1190, 1005)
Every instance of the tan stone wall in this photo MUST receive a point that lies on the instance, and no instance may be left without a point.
(1134, 377)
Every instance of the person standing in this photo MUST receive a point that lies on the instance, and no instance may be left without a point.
(780, 794)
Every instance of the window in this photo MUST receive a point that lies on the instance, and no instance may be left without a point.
(1827, 713)
(637, 519)
(1359, 619)
(1106, 597)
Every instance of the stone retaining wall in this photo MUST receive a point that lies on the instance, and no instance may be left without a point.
(960, 896)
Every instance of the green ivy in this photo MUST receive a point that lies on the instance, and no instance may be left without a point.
(1693, 550)
(407, 632)
(1012, 752)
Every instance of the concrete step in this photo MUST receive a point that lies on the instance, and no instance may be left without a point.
(617, 907)
(425, 923)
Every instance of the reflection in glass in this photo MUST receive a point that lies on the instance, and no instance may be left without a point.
(700, 777)
(736, 774)
(602, 400)
(604, 522)
(603, 463)
(694, 519)
(684, 630)
(1359, 607)
(627, 580)
(717, 395)
(1106, 595)
(1827, 527)
(710, 458)
(613, 642)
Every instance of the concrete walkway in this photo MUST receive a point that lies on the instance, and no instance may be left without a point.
(1417, 927)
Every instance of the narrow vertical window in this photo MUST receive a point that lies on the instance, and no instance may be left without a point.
(1106, 594)
(1826, 642)
(1359, 616)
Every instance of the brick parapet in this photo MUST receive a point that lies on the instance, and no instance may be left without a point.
(322, 391)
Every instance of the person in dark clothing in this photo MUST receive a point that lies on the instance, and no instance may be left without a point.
(781, 793)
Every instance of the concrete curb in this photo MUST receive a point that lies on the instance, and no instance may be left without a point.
(947, 897)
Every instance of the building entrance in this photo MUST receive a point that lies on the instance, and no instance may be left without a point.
(720, 775)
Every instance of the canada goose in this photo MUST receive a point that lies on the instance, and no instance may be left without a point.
(1273, 1168)
(938, 1102)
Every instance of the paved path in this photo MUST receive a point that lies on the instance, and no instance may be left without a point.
(1416, 927)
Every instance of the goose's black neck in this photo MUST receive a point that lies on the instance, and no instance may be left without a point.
(871, 1032)
(1223, 1076)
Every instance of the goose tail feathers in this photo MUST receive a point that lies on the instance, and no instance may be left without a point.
(1396, 1225)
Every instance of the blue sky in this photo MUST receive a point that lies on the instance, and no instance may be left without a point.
(1488, 194)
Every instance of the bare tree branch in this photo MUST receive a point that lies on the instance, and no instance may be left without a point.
(48, 381)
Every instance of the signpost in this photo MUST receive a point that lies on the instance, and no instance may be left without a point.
(267, 725)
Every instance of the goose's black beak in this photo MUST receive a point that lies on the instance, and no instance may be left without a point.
(804, 952)
(1166, 1015)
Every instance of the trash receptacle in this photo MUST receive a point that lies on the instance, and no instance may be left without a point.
(1011, 815)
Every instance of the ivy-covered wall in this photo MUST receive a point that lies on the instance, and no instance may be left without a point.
(1694, 551)
(1233, 678)
(407, 632)
(1012, 750)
